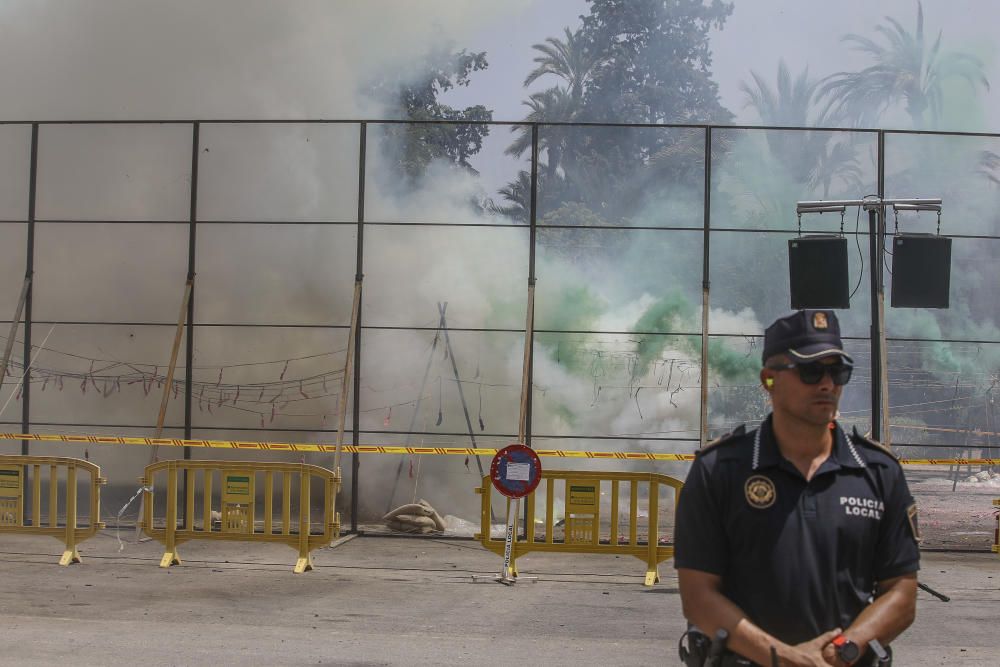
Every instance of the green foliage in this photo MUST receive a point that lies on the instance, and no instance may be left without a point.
(642, 61)
(573, 213)
(582, 244)
(572, 60)
(516, 199)
(413, 147)
(657, 64)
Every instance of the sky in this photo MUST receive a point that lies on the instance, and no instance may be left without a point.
(140, 59)
(754, 38)
(810, 33)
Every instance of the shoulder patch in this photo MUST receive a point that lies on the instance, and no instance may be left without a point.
(859, 439)
(911, 515)
(738, 432)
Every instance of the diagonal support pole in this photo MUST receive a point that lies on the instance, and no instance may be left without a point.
(461, 393)
(348, 372)
(458, 381)
(13, 328)
(167, 386)
(416, 409)
(352, 338)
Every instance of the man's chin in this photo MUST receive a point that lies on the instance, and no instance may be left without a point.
(822, 413)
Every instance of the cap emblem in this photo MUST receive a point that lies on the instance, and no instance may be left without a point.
(760, 492)
(819, 321)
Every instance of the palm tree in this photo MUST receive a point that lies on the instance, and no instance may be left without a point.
(816, 158)
(837, 160)
(548, 106)
(572, 61)
(517, 198)
(789, 104)
(989, 166)
(906, 70)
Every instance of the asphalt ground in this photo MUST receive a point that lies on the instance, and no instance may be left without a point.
(396, 601)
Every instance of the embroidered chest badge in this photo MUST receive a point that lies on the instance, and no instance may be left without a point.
(760, 492)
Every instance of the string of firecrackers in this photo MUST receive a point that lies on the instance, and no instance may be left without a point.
(306, 447)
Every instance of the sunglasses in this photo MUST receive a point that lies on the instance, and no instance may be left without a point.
(813, 372)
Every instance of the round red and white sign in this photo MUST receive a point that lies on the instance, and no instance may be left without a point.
(516, 471)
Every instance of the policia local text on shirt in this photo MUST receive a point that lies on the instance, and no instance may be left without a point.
(798, 539)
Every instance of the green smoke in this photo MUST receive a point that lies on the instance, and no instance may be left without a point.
(671, 313)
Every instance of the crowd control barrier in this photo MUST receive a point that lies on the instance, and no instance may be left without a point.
(582, 519)
(14, 475)
(996, 531)
(238, 506)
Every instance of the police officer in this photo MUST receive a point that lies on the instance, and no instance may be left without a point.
(798, 539)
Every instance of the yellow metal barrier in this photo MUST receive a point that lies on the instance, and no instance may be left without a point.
(996, 532)
(583, 519)
(13, 483)
(236, 519)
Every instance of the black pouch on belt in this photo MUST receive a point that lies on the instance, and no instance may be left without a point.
(695, 653)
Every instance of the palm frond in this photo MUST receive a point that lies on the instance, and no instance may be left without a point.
(905, 71)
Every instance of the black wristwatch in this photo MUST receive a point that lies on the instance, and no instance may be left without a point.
(847, 650)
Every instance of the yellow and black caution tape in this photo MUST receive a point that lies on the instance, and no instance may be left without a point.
(307, 447)
(950, 462)
(327, 448)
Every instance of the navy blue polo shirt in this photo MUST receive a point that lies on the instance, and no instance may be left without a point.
(799, 558)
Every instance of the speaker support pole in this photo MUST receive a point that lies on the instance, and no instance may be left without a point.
(875, 206)
(875, 269)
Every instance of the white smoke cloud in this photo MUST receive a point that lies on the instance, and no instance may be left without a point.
(144, 59)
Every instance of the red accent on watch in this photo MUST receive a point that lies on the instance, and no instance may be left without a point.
(847, 650)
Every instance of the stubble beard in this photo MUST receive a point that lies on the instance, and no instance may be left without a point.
(819, 414)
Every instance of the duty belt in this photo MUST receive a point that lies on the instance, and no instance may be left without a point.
(699, 653)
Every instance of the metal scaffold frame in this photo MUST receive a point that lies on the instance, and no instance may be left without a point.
(352, 378)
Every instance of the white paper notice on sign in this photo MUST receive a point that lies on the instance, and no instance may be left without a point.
(519, 472)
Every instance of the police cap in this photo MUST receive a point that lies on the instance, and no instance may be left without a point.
(805, 335)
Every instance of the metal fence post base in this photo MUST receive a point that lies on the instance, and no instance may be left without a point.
(652, 576)
(170, 558)
(70, 556)
(303, 564)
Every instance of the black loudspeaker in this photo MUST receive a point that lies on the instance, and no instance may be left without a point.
(921, 271)
(817, 269)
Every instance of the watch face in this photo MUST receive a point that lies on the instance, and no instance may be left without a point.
(848, 651)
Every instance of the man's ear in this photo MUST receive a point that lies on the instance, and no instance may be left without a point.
(766, 379)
